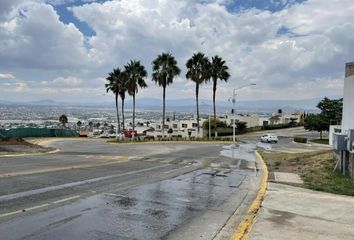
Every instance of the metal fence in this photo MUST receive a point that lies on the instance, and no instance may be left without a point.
(37, 132)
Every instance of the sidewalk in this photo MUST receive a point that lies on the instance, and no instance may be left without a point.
(297, 213)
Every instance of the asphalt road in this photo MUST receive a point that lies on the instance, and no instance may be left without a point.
(94, 190)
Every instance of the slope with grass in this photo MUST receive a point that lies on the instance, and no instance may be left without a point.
(315, 168)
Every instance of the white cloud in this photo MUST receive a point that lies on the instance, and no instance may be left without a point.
(34, 37)
(6, 76)
(312, 53)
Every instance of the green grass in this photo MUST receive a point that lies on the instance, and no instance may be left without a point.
(315, 169)
(206, 164)
(320, 141)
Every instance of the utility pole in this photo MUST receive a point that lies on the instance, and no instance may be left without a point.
(233, 100)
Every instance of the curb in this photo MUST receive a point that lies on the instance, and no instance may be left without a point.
(244, 228)
(168, 142)
(29, 154)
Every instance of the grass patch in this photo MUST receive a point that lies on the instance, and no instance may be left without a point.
(206, 164)
(225, 165)
(320, 141)
(315, 169)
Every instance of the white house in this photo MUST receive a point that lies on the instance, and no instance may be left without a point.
(184, 128)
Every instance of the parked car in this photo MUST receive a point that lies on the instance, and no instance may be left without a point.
(130, 133)
(269, 138)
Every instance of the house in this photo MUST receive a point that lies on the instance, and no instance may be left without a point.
(342, 137)
(183, 128)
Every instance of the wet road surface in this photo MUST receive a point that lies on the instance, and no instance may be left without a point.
(94, 190)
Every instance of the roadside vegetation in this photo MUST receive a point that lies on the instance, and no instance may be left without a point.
(321, 141)
(315, 169)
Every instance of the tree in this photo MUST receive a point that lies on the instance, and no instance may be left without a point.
(135, 80)
(331, 110)
(316, 122)
(90, 126)
(113, 85)
(63, 119)
(215, 123)
(97, 125)
(218, 71)
(241, 126)
(164, 69)
(198, 71)
(122, 90)
(105, 125)
(79, 124)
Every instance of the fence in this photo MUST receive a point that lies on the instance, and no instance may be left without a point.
(37, 132)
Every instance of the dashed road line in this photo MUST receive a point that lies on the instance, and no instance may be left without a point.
(55, 169)
(39, 206)
(36, 207)
(73, 184)
(66, 199)
(173, 170)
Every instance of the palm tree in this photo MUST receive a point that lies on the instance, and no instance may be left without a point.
(122, 90)
(63, 119)
(218, 71)
(78, 124)
(164, 69)
(113, 85)
(135, 79)
(90, 126)
(198, 71)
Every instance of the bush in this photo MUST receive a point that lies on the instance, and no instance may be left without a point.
(300, 139)
(278, 126)
(149, 138)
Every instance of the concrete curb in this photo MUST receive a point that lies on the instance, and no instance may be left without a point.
(169, 142)
(30, 154)
(244, 228)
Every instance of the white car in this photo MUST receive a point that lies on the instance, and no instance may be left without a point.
(269, 138)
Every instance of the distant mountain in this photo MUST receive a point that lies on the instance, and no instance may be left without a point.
(188, 105)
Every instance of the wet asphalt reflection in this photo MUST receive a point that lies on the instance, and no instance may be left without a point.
(150, 211)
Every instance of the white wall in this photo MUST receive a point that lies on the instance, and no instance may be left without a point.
(348, 104)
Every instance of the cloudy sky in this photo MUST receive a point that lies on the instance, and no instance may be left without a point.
(63, 49)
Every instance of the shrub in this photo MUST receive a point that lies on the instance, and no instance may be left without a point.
(300, 139)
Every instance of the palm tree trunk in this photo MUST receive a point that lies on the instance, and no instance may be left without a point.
(123, 119)
(133, 113)
(214, 93)
(118, 122)
(163, 111)
(196, 98)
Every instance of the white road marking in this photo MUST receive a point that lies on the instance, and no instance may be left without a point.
(66, 199)
(10, 213)
(39, 206)
(177, 169)
(73, 184)
(113, 195)
(36, 207)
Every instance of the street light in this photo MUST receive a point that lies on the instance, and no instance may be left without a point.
(209, 119)
(233, 109)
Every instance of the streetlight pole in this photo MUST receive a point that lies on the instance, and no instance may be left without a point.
(209, 125)
(234, 110)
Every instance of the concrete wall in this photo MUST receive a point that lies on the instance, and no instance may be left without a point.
(333, 129)
(348, 101)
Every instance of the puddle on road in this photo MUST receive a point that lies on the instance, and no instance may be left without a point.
(150, 211)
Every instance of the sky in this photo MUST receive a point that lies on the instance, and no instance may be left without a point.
(63, 50)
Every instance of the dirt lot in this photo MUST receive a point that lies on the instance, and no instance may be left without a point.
(18, 145)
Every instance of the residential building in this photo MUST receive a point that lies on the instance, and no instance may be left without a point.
(183, 128)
